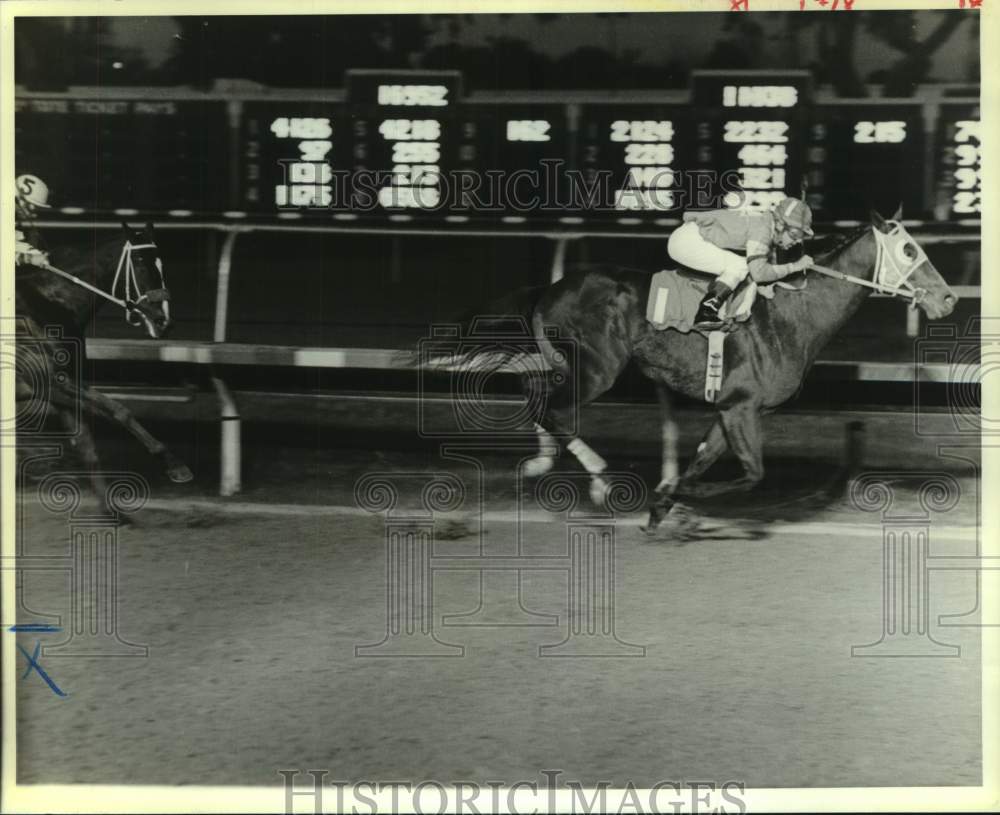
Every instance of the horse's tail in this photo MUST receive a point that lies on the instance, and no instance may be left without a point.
(487, 339)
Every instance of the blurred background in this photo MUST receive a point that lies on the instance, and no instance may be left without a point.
(896, 51)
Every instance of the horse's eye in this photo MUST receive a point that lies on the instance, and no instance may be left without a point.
(910, 251)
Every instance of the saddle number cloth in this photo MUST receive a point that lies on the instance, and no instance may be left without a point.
(674, 298)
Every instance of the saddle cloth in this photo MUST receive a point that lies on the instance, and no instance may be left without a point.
(674, 296)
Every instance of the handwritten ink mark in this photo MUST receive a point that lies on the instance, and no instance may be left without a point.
(33, 658)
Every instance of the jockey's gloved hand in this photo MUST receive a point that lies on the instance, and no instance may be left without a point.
(803, 263)
(34, 257)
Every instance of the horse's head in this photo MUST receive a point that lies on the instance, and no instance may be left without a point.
(902, 267)
(143, 286)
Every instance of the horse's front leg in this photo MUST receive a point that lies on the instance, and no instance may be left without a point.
(744, 432)
(709, 450)
(100, 405)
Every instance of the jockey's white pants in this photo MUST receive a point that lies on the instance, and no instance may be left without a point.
(688, 247)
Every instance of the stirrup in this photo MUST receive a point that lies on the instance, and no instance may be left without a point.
(708, 321)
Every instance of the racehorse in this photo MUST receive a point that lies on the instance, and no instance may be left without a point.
(54, 304)
(602, 310)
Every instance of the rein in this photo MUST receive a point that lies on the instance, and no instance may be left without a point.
(886, 260)
(130, 281)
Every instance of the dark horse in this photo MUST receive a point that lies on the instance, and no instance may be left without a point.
(603, 313)
(52, 312)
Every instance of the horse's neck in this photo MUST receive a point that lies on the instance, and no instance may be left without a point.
(101, 272)
(827, 303)
(97, 268)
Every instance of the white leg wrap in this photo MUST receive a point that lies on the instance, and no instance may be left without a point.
(591, 462)
(547, 445)
(546, 458)
(598, 490)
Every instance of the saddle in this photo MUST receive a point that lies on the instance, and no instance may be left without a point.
(674, 295)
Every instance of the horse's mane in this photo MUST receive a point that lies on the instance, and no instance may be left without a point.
(831, 247)
(76, 259)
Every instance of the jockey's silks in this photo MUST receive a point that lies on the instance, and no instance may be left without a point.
(743, 231)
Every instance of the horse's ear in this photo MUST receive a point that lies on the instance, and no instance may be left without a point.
(126, 228)
(898, 214)
(877, 220)
(149, 228)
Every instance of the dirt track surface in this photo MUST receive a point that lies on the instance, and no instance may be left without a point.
(744, 668)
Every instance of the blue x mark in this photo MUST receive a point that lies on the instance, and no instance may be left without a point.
(33, 658)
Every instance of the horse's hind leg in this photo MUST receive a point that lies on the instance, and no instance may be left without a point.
(534, 387)
(548, 449)
(561, 418)
(100, 405)
(83, 441)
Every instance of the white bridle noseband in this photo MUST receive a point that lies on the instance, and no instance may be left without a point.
(126, 273)
(897, 257)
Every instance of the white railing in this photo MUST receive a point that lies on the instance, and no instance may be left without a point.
(560, 240)
(220, 352)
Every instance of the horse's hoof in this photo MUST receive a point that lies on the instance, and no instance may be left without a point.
(598, 490)
(180, 475)
(656, 516)
(539, 465)
(178, 471)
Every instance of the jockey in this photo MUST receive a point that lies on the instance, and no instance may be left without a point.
(709, 240)
(32, 194)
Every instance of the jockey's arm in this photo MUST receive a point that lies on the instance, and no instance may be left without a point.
(758, 257)
(26, 254)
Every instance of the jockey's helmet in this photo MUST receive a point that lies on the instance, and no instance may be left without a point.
(794, 214)
(32, 195)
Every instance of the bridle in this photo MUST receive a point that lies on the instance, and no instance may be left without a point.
(897, 257)
(126, 273)
(133, 297)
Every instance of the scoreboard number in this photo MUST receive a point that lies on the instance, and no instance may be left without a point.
(528, 130)
(304, 128)
(315, 150)
(413, 95)
(764, 154)
(416, 152)
(967, 176)
(651, 177)
(967, 155)
(406, 129)
(649, 154)
(760, 96)
(880, 132)
(771, 132)
(648, 131)
(965, 130)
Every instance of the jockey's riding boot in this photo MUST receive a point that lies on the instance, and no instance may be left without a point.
(712, 302)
